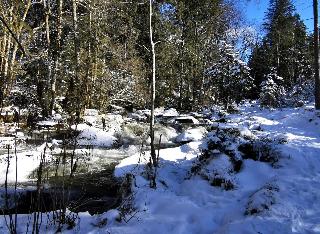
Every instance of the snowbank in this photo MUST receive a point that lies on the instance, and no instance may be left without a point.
(186, 120)
(170, 113)
(192, 134)
(266, 198)
(94, 136)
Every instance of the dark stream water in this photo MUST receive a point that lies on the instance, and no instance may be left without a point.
(91, 188)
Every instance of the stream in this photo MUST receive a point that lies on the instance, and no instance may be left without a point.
(93, 187)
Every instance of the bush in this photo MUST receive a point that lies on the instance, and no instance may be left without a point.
(259, 151)
(272, 92)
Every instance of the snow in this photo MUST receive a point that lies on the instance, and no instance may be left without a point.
(168, 134)
(267, 198)
(187, 204)
(6, 141)
(95, 136)
(91, 112)
(186, 119)
(28, 161)
(192, 134)
(138, 116)
(47, 123)
(114, 122)
(170, 113)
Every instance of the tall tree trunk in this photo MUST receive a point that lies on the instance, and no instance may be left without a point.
(94, 49)
(278, 52)
(8, 47)
(153, 88)
(89, 68)
(16, 46)
(3, 50)
(46, 4)
(76, 37)
(74, 86)
(56, 56)
(46, 105)
(316, 55)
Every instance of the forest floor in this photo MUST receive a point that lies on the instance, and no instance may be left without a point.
(257, 171)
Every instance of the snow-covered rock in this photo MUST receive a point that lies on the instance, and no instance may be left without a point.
(138, 116)
(262, 199)
(219, 172)
(113, 122)
(134, 132)
(96, 137)
(91, 120)
(170, 113)
(57, 117)
(47, 123)
(91, 112)
(186, 120)
(168, 134)
(192, 134)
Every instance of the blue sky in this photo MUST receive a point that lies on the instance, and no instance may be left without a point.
(255, 11)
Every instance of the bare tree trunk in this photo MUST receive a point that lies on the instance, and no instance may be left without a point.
(56, 56)
(278, 52)
(6, 63)
(46, 107)
(153, 89)
(16, 46)
(3, 50)
(316, 55)
(8, 48)
(181, 76)
(94, 65)
(89, 72)
(47, 8)
(75, 104)
(76, 37)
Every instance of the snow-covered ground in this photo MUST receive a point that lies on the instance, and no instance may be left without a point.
(184, 204)
(278, 197)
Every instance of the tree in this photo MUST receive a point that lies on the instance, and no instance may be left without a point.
(284, 47)
(56, 54)
(13, 17)
(101, 51)
(229, 78)
(74, 104)
(189, 32)
(272, 92)
(153, 93)
(316, 55)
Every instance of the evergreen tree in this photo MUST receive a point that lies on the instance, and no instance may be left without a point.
(272, 91)
(192, 31)
(100, 50)
(284, 47)
(229, 79)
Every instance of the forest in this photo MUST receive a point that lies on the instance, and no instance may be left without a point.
(158, 116)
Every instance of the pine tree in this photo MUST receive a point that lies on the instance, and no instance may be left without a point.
(272, 91)
(229, 79)
(285, 46)
(189, 47)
